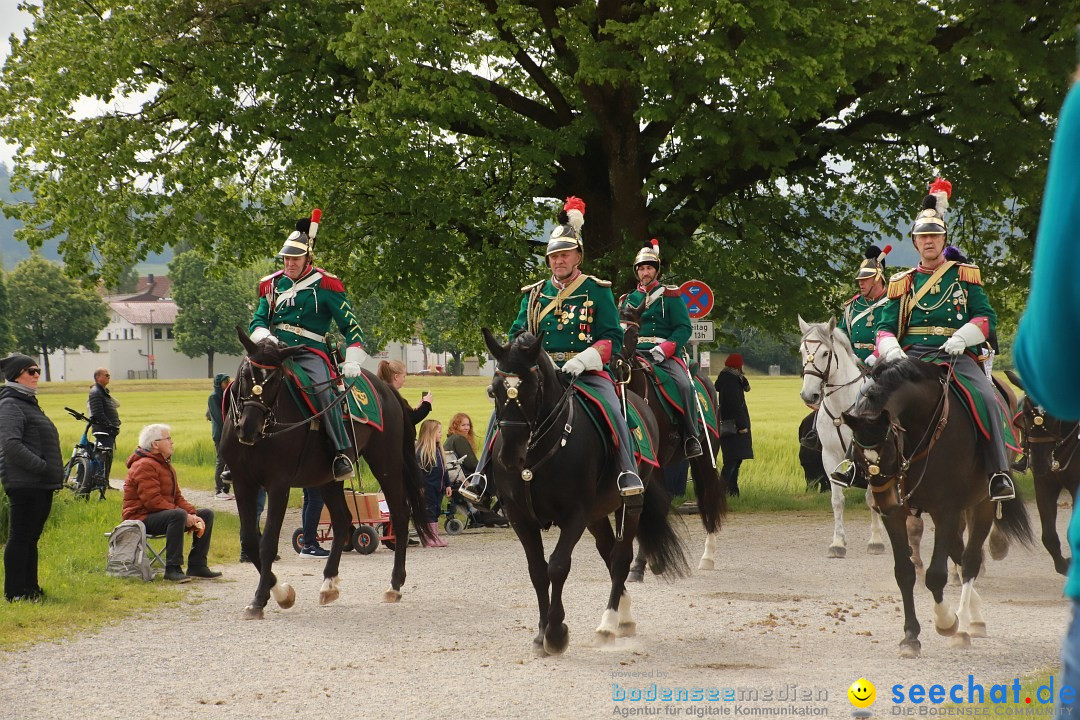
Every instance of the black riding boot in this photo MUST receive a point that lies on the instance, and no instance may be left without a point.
(1001, 487)
(847, 475)
(343, 468)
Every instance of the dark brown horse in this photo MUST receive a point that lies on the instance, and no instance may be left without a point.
(1051, 446)
(920, 450)
(550, 468)
(710, 488)
(268, 443)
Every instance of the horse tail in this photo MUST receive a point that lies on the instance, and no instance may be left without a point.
(658, 540)
(710, 491)
(412, 474)
(1014, 522)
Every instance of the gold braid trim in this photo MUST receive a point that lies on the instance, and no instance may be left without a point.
(900, 285)
(970, 274)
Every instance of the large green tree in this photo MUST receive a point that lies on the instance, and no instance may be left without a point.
(763, 141)
(211, 302)
(7, 338)
(50, 311)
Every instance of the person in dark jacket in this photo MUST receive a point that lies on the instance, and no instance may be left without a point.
(436, 481)
(101, 407)
(31, 469)
(392, 372)
(213, 414)
(731, 388)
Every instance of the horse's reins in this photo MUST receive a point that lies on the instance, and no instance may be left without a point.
(269, 421)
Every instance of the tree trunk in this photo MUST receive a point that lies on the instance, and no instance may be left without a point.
(45, 357)
(210, 363)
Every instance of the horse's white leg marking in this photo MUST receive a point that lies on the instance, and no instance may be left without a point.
(708, 559)
(283, 595)
(627, 626)
(609, 625)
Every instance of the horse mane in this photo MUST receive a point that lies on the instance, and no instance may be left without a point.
(888, 377)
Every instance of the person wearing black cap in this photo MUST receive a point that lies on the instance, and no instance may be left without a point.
(296, 306)
(940, 307)
(31, 469)
(665, 330)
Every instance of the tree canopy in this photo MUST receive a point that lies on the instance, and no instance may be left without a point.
(210, 304)
(50, 311)
(763, 142)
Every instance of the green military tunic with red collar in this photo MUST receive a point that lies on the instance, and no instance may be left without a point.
(300, 312)
(585, 318)
(859, 322)
(955, 299)
(665, 321)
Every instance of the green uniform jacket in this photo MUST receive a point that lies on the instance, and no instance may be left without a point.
(664, 320)
(585, 318)
(311, 303)
(956, 299)
(859, 323)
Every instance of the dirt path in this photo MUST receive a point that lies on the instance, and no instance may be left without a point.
(775, 614)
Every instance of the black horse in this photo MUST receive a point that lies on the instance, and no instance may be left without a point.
(267, 442)
(1051, 446)
(549, 467)
(710, 488)
(920, 451)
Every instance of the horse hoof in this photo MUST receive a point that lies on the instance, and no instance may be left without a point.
(837, 551)
(627, 629)
(961, 641)
(977, 630)
(252, 613)
(635, 576)
(556, 643)
(875, 549)
(951, 629)
(604, 637)
(706, 564)
(328, 596)
(538, 649)
(391, 596)
(910, 650)
(284, 595)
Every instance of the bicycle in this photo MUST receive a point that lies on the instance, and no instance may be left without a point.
(88, 468)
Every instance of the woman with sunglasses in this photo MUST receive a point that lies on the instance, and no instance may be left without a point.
(31, 469)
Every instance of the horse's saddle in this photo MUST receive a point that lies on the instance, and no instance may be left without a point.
(601, 415)
(981, 415)
(668, 391)
(362, 405)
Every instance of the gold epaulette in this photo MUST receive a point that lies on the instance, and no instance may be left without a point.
(900, 283)
(851, 299)
(598, 281)
(970, 273)
(536, 284)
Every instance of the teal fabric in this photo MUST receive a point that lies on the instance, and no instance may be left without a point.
(1047, 341)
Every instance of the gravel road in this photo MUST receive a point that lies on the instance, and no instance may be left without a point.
(776, 616)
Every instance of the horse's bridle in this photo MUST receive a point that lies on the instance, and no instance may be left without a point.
(828, 389)
(542, 429)
(256, 398)
(895, 433)
(1039, 420)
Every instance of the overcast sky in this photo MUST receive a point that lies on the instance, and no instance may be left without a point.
(12, 21)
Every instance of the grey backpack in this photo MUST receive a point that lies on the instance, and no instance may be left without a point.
(127, 551)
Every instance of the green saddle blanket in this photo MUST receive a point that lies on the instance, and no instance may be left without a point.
(964, 390)
(363, 402)
(668, 391)
(600, 413)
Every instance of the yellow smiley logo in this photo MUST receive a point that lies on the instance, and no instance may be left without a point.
(862, 693)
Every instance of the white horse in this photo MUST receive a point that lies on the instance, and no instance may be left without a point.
(831, 379)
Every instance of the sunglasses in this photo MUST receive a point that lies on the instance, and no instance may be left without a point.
(33, 371)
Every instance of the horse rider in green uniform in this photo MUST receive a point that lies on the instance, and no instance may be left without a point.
(665, 330)
(577, 314)
(941, 305)
(858, 320)
(296, 306)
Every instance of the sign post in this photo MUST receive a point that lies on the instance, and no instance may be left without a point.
(699, 301)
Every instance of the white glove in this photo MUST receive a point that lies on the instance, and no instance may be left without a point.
(871, 359)
(968, 334)
(261, 333)
(889, 349)
(354, 358)
(588, 359)
(657, 353)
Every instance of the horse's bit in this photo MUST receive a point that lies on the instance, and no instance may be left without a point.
(1039, 420)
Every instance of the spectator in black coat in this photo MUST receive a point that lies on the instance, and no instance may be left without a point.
(731, 388)
(101, 407)
(392, 372)
(213, 414)
(31, 469)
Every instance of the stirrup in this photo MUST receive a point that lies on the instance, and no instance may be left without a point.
(692, 447)
(630, 487)
(844, 474)
(343, 468)
(1008, 492)
(474, 487)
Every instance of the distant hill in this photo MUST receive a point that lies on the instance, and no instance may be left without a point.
(13, 251)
